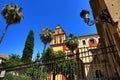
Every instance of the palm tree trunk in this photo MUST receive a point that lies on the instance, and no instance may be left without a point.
(44, 48)
(3, 34)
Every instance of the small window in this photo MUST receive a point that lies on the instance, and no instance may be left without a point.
(99, 40)
(84, 43)
(91, 41)
(54, 40)
(58, 31)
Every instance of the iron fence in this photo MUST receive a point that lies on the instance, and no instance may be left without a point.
(91, 63)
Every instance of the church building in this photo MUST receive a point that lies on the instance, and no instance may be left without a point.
(58, 42)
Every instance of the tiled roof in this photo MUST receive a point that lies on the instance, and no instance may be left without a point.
(89, 35)
(3, 56)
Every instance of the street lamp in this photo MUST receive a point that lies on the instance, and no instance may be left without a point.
(104, 16)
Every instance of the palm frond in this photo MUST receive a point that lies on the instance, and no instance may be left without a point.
(71, 42)
(46, 35)
(12, 13)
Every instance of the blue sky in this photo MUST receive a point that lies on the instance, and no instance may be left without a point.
(39, 14)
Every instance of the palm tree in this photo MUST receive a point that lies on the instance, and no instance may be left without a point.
(12, 14)
(71, 42)
(46, 36)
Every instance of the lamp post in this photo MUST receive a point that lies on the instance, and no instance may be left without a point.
(37, 63)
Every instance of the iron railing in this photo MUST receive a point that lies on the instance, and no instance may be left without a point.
(91, 63)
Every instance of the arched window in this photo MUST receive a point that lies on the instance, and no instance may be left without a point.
(92, 41)
(84, 42)
(60, 39)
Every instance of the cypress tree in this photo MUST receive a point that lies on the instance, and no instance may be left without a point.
(28, 49)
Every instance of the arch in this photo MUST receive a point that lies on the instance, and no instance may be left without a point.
(98, 74)
(92, 42)
(58, 76)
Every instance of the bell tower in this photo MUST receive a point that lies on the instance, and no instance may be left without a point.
(58, 41)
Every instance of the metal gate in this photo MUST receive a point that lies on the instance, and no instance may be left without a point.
(91, 63)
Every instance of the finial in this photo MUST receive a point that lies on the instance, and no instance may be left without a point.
(38, 55)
